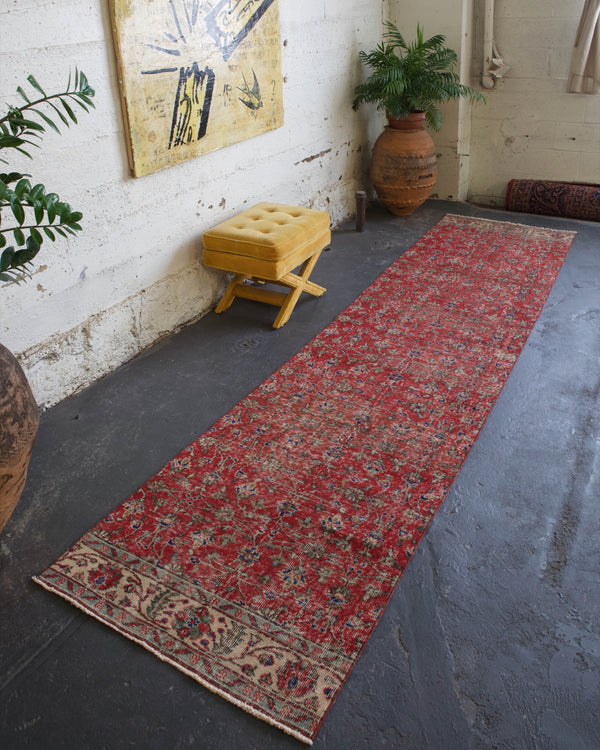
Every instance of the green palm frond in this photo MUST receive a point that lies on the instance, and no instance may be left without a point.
(412, 77)
(17, 128)
(35, 214)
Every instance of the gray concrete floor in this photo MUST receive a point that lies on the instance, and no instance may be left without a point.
(492, 638)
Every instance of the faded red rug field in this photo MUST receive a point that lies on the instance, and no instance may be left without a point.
(259, 560)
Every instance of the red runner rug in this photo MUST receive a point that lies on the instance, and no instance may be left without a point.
(260, 559)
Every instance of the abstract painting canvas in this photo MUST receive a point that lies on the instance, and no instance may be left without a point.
(195, 76)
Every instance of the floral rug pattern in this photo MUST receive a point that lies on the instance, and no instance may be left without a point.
(259, 560)
(577, 201)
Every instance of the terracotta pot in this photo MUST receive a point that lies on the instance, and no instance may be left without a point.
(19, 418)
(403, 167)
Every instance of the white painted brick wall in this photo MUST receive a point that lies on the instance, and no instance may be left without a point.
(134, 273)
(531, 127)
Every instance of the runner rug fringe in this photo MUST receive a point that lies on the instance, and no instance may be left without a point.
(259, 560)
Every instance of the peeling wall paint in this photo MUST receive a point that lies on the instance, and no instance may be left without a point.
(134, 273)
(69, 360)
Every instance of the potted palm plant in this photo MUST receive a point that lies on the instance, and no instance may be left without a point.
(408, 81)
(29, 214)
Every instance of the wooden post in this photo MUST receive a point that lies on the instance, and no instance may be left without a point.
(361, 210)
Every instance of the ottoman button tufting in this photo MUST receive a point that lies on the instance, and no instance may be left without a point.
(269, 254)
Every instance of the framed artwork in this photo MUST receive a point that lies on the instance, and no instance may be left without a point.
(195, 75)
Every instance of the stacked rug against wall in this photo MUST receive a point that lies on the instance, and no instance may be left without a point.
(569, 199)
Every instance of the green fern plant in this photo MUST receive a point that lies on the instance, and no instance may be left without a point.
(33, 213)
(412, 77)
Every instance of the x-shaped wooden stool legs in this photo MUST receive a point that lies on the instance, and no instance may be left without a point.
(297, 283)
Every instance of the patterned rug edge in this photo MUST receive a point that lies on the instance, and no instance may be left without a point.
(160, 655)
(550, 231)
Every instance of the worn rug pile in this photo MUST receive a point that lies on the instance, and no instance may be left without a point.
(260, 559)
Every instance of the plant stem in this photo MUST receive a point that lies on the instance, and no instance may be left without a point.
(38, 101)
(33, 226)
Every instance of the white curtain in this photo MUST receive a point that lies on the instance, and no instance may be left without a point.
(585, 65)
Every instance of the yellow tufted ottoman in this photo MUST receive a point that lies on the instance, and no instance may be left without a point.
(265, 243)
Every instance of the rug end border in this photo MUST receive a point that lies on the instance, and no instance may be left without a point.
(197, 678)
(567, 233)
